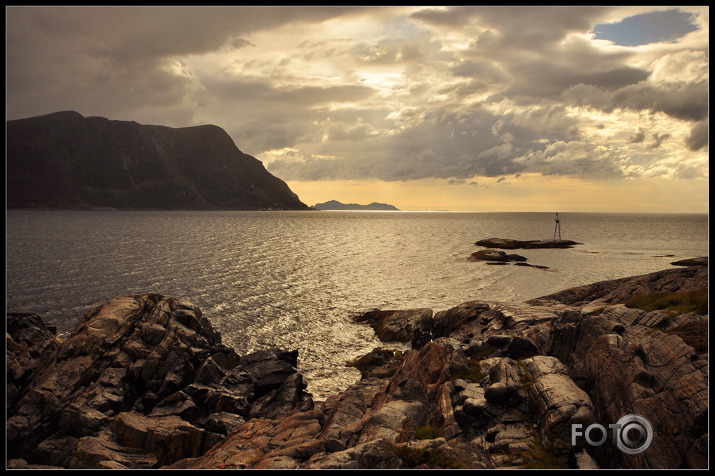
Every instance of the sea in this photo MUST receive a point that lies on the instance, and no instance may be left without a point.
(296, 280)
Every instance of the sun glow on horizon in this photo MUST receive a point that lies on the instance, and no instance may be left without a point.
(526, 193)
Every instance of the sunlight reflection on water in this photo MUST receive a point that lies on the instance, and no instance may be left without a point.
(294, 279)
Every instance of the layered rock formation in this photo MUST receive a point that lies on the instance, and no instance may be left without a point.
(145, 382)
(142, 382)
(65, 160)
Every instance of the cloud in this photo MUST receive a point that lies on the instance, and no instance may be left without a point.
(388, 93)
(638, 137)
(699, 136)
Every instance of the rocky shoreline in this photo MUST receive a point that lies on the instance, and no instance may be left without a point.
(145, 382)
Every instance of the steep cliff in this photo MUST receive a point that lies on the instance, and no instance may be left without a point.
(65, 160)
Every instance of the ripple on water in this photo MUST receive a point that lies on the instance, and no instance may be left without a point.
(294, 279)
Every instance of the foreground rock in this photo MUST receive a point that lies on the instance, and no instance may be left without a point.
(485, 385)
(511, 244)
(619, 290)
(142, 382)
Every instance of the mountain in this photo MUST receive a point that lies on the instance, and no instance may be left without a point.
(336, 205)
(65, 160)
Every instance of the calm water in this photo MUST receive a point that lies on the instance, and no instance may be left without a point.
(294, 279)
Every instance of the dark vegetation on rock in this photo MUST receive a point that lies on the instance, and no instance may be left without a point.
(65, 160)
(144, 382)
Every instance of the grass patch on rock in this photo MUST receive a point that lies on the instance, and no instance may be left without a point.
(428, 432)
(540, 457)
(425, 459)
(695, 301)
(474, 374)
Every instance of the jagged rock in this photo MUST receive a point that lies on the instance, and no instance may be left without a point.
(144, 382)
(103, 451)
(169, 437)
(558, 402)
(461, 318)
(380, 363)
(139, 365)
(287, 395)
(223, 422)
(345, 410)
(259, 441)
(504, 386)
(30, 344)
(654, 377)
(399, 326)
(377, 454)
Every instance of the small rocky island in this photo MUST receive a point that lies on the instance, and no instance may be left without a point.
(145, 382)
(495, 257)
(511, 244)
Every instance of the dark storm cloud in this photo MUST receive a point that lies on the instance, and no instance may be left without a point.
(688, 102)
(449, 93)
(699, 136)
(81, 57)
(523, 26)
(638, 137)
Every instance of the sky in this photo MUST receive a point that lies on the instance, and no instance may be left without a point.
(573, 108)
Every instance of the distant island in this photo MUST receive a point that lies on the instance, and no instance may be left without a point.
(336, 205)
(67, 161)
